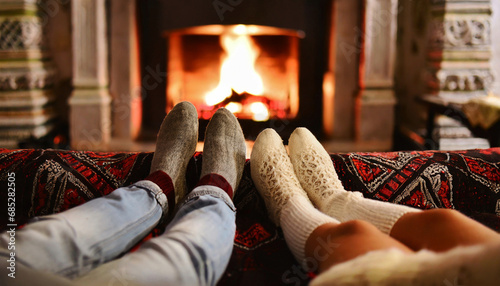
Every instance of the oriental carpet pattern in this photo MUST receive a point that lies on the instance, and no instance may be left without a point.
(51, 181)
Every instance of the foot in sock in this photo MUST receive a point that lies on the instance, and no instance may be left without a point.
(176, 144)
(313, 167)
(272, 173)
(287, 203)
(224, 152)
(316, 173)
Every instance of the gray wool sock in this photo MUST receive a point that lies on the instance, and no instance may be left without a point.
(224, 152)
(176, 144)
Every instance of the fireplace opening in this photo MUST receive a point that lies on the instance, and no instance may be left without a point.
(251, 70)
(277, 78)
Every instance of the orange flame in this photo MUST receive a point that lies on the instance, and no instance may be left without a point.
(238, 68)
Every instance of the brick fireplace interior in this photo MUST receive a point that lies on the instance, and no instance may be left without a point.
(251, 70)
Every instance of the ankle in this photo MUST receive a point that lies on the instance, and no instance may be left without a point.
(164, 181)
(299, 219)
(319, 246)
(216, 180)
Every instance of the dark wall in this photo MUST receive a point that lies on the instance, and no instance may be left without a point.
(153, 53)
(278, 13)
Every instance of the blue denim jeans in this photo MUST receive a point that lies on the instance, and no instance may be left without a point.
(81, 243)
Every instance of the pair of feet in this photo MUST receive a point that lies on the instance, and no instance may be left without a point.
(307, 170)
(224, 151)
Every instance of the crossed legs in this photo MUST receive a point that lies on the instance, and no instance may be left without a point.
(437, 230)
(197, 244)
(440, 230)
(356, 226)
(88, 237)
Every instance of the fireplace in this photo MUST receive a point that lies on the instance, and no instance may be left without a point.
(267, 68)
(252, 70)
(335, 77)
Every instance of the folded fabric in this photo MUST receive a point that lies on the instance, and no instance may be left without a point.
(482, 111)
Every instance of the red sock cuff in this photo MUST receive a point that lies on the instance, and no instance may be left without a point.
(216, 180)
(165, 183)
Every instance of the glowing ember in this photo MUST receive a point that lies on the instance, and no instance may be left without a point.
(260, 111)
(237, 71)
(234, 107)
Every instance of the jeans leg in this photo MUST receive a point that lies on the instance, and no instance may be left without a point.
(73, 242)
(194, 250)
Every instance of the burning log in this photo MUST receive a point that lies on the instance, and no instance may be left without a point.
(243, 98)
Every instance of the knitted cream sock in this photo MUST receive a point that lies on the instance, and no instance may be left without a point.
(176, 144)
(316, 173)
(272, 173)
(287, 203)
(224, 152)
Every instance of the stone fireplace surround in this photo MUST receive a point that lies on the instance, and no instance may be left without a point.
(361, 108)
(106, 103)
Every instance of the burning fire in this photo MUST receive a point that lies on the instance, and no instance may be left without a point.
(238, 75)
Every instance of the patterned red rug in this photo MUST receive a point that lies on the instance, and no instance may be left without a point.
(51, 181)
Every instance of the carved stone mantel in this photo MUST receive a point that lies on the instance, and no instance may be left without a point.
(26, 74)
(90, 111)
(458, 62)
(459, 49)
